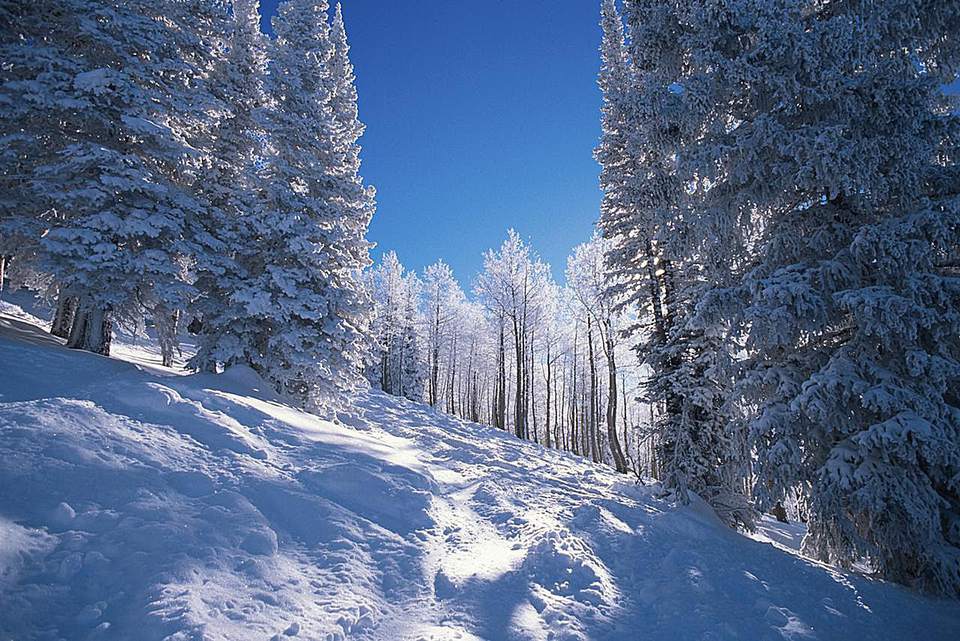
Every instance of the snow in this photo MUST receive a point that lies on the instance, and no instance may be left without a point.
(139, 504)
(97, 81)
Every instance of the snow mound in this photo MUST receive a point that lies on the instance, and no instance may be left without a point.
(136, 504)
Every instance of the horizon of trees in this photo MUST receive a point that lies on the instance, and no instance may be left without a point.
(520, 352)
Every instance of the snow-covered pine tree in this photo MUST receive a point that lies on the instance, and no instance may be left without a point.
(230, 186)
(344, 96)
(35, 69)
(413, 361)
(659, 255)
(384, 283)
(697, 444)
(629, 173)
(24, 109)
(118, 88)
(356, 201)
(303, 298)
(841, 160)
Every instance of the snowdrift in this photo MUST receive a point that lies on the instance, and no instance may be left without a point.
(139, 504)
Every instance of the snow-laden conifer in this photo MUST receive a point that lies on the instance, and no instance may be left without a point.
(839, 167)
(303, 298)
(118, 91)
(658, 259)
(231, 187)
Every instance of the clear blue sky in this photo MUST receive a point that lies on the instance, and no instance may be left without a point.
(481, 115)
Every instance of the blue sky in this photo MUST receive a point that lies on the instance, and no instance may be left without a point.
(481, 115)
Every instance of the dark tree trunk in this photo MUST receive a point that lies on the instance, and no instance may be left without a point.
(618, 458)
(92, 329)
(501, 420)
(654, 461)
(592, 414)
(779, 512)
(631, 462)
(63, 317)
(574, 441)
(168, 330)
(384, 375)
(435, 356)
(519, 429)
(546, 427)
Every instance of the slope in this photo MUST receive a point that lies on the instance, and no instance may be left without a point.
(136, 503)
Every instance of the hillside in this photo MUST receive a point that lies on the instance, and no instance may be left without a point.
(137, 503)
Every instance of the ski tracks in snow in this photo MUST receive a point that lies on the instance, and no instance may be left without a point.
(503, 559)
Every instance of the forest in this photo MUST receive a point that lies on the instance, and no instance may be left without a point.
(766, 317)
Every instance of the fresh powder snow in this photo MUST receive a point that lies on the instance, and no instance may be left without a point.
(140, 503)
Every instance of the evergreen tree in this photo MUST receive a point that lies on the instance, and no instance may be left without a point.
(30, 52)
(355, 201)
(657, 256)
(230, 184)
(115, 89)
(303, 301)
(413, 362)
(838, 168)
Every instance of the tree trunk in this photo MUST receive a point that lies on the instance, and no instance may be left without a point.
(530, 400)
(546, 427)
(574, 442)
(435, 355)
(656, 295)
(168, 326)
(779, 512)
(452, 382)
(618, 458)
(592, 414)
(654, 461)
(631, 462)
(384, 369)
(557, 413)
(92, 329)
(501, 420)
(63, 318)
(669, 293)
(519, 428)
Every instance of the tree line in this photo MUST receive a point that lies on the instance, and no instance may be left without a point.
(522, 353)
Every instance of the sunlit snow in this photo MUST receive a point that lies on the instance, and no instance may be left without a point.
(140, 504)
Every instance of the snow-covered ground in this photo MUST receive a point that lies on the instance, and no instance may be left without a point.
(140, 504)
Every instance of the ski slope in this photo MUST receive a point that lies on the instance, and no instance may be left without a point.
(137, 503)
